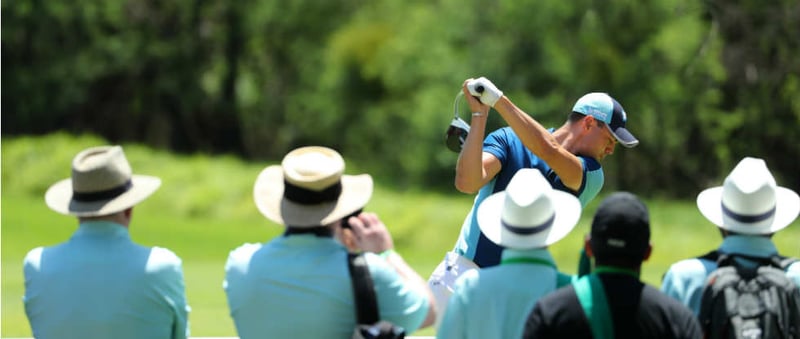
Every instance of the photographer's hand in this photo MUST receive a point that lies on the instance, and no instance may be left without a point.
(371, 234)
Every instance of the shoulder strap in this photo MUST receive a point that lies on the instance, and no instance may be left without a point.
(363, 291)
(563, 279)
(784, 262)
(592, 297)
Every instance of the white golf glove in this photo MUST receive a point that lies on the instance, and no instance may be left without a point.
(485, 90)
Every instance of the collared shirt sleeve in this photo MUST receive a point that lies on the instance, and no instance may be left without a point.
(398, 301)
(684, 281)
(31, 268)
(593, 180)
(793, 272)
(454, 320)
(166, 268)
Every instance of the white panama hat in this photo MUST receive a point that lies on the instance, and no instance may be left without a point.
(749, 201)
(529, 213)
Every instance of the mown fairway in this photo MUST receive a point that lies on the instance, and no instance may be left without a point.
(204, 209)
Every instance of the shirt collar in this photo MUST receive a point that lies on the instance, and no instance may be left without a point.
(756, 246)
(538, 253)
(101, 228)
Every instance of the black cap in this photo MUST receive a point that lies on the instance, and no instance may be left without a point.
(621, 228)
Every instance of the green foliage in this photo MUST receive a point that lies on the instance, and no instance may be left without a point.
(704, 84)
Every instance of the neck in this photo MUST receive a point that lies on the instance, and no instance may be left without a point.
(117, 218)
(618, 270)
(566, 138)
(320, 231)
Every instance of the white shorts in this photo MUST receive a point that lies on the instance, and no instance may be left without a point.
(444, 277)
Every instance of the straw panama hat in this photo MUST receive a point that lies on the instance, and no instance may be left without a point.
(749, 201)
(102, 183)
(309, 189)
(529, 213)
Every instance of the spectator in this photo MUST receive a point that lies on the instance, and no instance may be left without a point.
(100, 284)
(568, 157)
(297, 285)
(748, 209)
(525, 218)
(612, 302)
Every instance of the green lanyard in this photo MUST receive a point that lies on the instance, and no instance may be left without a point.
(592, 298)
(526, 260)
(610, 269)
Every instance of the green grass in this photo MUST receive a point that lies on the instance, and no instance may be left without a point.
(204, 209)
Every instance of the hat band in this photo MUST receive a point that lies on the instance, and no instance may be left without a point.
(308, 197)
(529, 230)
(748, 219)
(102, 195)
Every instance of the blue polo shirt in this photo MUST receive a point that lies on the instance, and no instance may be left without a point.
(100, 284)
(494, 302)
(513, 155)
(685, 279)
(299, 286)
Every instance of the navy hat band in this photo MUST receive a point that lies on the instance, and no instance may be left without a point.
(529, 230)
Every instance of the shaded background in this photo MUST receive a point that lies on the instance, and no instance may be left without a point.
(704, 83)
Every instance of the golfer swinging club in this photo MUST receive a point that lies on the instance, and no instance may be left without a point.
(568, 157)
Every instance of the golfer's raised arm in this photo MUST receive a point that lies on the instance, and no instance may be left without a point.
(474, 167)
(533, 135)
(542, 143)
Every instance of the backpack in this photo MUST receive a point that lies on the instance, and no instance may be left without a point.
(369, 325)
(752, 303)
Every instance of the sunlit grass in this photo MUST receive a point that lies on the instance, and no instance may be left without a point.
(204, 209)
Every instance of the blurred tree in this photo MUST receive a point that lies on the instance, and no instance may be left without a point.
(704, 83)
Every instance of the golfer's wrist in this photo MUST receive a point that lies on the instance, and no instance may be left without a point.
(479, 114)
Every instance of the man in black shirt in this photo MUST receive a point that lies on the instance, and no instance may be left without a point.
(612, 302)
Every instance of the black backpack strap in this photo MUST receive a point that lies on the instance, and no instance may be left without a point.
(363, 291)
(784, 262)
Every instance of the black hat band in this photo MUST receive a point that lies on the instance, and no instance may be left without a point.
(102, 195)
(309, 197)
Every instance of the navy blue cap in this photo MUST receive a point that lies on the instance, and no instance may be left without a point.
(621, 227)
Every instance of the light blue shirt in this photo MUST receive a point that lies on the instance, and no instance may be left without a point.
(298, 286)
(99, 284)
(494, 302)
(685, 279)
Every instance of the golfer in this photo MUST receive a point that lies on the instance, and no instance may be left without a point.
(568, 157)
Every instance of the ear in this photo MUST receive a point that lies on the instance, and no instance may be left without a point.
(588, 122)
(587, 246)
(648, 252)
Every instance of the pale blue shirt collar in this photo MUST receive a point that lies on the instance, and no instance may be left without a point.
(101, 228)
(536, 253)
(756, 246)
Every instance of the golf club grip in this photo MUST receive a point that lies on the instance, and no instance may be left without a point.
(479, 88)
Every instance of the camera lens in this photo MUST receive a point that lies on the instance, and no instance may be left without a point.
(346, 223)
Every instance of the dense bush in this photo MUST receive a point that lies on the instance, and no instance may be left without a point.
(704, 83)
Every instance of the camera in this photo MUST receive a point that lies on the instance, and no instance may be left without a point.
(346, 223)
